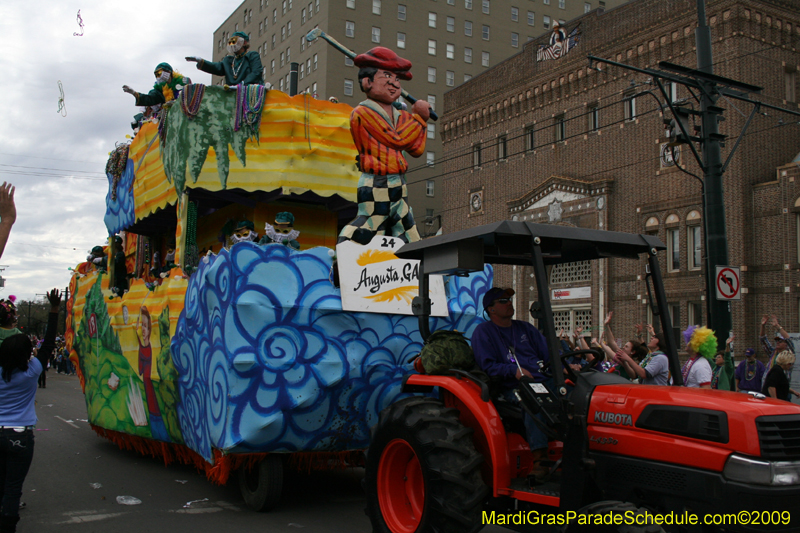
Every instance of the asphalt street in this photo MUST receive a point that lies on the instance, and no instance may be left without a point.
(70, 458)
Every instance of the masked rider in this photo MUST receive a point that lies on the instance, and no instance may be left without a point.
(239, 67)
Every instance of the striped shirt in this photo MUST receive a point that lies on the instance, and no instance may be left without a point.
(380, 140)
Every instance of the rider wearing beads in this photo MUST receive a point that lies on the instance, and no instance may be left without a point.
(168, 85)
(239, 67)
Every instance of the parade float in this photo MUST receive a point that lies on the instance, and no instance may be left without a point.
(197, 341)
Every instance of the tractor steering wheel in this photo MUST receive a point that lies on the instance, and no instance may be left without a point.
(598, 358)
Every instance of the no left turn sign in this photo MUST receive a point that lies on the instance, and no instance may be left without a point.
(728, 283)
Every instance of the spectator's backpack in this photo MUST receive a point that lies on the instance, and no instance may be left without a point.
(449, 349)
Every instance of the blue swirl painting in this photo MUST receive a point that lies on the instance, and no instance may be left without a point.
(269, 362)
(120, 212)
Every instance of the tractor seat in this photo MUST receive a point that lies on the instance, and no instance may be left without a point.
(510, 414)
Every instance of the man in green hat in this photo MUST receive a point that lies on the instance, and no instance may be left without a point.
(243, 232)
(98, 258)
(239, 67)
(168, 85)
(282, 232)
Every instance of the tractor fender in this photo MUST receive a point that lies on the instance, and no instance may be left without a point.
(490, 436)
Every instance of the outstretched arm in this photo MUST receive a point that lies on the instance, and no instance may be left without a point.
(8, 213)
(612, 342)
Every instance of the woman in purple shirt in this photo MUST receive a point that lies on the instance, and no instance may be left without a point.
(19, 373)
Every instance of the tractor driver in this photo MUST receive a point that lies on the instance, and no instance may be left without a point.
(499, 344)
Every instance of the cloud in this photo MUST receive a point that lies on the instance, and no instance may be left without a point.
(61, 200)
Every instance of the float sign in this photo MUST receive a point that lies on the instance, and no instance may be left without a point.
(373, 280)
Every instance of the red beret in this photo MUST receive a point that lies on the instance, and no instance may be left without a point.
(385, 59)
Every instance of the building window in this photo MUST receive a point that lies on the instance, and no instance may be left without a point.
(430, 158)
(429, 187)
(273, 41)
(302, 43)
(502, 147)
(515, 40)
(468, 4)
(349, 29)
(376, 7)
(314, 89)
(450, 78)
(467, 77)
(280, 84)
(451, 24)
(308, 66)
(587, 7)
(695, 247)
(310, 10)
(431, 20)
(672, 91)
(562, 4)
(351, 4)
(288, 55)
(485, 59)
(283, 33)
(451, 51)
(546, 22)
(401, 12)
(315, 61)
(401, 40)
(531, 18)
(673, 250)
(260, 27)
(529, 138)
(283, 8)
(485, 6)
(376, 35)
(283, 59)
(467, 55)
(289, 29)
(302, 70)
(468, 28)
(560, 128)
(594, 117)
(514, 14)
(348, 61)
(348, 87)
(476, 155)
(485, 32)
(695, 312)
(272, 67)
(303, 16)
(431, 130)
(432, 101)
(630, 106)
(431, 47)
(432, 74)
(274, 16)
(790, 75)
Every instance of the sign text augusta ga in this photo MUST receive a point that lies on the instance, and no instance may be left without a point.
(374, 280)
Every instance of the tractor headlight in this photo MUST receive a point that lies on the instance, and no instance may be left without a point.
(749, 470)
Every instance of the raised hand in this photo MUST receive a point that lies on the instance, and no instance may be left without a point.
(608, 318)
(54, 297)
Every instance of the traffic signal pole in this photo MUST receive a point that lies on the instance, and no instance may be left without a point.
(710, 88)
(718, 311)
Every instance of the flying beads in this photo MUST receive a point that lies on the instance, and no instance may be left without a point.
(80, 23)
(62, 107)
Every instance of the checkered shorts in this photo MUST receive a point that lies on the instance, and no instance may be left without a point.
(382, 210)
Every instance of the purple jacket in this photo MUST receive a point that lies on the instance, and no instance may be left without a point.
(491, 345)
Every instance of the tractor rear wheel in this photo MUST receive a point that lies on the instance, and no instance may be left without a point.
(422, 471)
(262, 484)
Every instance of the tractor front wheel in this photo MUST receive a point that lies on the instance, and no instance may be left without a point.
(422, 471)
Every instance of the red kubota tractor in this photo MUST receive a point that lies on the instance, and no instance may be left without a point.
(455, 459)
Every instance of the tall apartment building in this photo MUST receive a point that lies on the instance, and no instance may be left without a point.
(447, 41)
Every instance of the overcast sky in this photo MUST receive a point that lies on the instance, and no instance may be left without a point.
(58, 163)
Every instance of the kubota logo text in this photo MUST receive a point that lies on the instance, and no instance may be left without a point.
(613, 418)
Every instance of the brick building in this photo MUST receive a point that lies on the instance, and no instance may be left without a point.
(558, 142)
